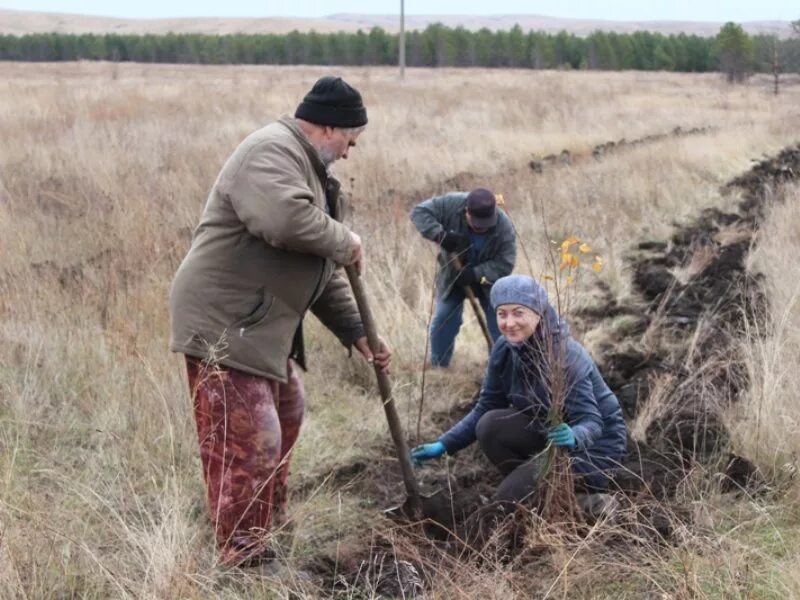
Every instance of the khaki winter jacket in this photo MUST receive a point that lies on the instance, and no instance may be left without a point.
(265, 251)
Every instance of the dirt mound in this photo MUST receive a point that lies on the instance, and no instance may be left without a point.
(602, 149)
(382, 569)
(766, 176)
(696, 292)
(599, 151)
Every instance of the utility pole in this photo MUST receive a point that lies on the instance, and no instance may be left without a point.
(776, 65)
(402, 53)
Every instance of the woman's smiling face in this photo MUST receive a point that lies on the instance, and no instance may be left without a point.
(517, 322)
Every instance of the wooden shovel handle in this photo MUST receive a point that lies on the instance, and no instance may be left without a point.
(475, 305)
(385, 387)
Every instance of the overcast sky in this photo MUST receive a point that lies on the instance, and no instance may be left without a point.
(618, 10)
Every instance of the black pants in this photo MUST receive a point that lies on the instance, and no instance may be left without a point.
(510, 440)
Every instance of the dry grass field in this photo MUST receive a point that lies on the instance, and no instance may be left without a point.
(104, 170)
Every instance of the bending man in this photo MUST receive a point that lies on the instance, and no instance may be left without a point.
(472, 228)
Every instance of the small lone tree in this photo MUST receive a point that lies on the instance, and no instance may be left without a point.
(734, 50)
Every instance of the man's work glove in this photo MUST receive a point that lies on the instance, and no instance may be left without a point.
(466, 277)
(453, 241)
(427, 452)
(562, 435)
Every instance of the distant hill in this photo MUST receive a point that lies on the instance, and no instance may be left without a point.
(22, 22)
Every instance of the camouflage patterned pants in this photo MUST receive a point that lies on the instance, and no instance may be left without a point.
(246, 426)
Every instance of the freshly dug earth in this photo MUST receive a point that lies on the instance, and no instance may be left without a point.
(695, 291)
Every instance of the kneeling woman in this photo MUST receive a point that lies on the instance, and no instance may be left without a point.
(510, 416)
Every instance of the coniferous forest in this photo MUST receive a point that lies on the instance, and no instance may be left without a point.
(435, 46)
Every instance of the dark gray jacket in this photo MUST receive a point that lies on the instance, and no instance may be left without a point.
(440, 214)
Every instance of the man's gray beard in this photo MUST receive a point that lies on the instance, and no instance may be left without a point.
(328, 157)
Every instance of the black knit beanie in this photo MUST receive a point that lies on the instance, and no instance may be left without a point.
(334, 103)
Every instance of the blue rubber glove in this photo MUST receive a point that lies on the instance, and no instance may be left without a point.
(426, 452)
(562, 435)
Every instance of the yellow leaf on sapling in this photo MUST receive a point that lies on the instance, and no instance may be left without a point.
(568, 242)
(585, 248)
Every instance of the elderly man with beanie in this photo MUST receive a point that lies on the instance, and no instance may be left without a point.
(470, 227)
(509, 419)
(265, 252)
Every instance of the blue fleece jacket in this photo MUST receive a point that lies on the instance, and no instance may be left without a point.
(590, 408)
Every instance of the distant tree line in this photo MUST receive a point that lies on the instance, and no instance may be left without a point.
(436, 46)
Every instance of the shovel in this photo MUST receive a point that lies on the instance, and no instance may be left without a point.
(412, 507)
(474, 302)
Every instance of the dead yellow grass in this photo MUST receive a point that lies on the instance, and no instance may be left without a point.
(769, 428)
(103, 173)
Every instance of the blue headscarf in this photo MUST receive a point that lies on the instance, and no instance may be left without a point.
(546, 345)
(524, 290)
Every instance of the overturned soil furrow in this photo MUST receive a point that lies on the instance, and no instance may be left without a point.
(565, 157)
(536, 165)
(696, 292)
